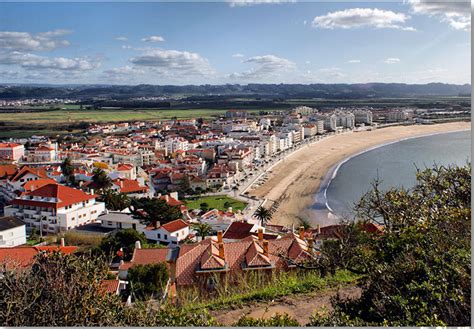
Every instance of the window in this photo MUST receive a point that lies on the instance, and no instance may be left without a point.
(166, 236)
(159, 235)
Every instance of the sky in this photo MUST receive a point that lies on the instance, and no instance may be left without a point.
(251, 41)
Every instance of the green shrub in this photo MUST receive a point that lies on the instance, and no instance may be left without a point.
(277, 320)
(148, 281)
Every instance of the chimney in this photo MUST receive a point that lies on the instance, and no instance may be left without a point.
(63, 242)
(219, 236)
(138, 245)
(319, 229)
(167, 198)
(260, 234)
(265, 247)
(302, 232)
(221, 250)
(157, 224)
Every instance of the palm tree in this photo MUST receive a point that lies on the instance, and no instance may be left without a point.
(115, 201)
(101, 180)
(263, 215)
(202, 229)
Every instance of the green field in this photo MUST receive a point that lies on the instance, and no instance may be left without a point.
(104, 115)
(215, 202)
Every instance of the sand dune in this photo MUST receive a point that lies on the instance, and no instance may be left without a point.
(294, 181)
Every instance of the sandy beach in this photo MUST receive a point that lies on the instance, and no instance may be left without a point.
(295, 181)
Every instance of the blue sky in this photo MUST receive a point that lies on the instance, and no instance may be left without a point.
(251, 42)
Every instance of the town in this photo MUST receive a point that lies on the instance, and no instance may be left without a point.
(183, 184)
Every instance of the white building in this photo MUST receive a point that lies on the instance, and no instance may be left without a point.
(172, 232)
(12, 232)
(175, 144)
(55, 208)
(363, 116)
(11, 151)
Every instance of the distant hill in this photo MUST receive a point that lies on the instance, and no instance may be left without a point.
(284, 91)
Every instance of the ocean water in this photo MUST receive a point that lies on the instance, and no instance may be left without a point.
(395, 164)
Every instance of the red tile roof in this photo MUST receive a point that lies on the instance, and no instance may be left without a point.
(36, 184)
(21, 257)
(7, 170)
(66, 196)
(40, 172)
(175, 225)
(246, 253)
(129, 186)
(238, 230)
(110, 286)
(146, 256)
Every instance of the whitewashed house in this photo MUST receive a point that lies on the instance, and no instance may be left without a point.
(172, 232)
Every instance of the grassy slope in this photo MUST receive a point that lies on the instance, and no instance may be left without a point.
(284, 286)
(215, 202)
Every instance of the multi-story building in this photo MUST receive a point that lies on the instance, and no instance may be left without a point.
(55, 208)
(363, 116)
(11, 151)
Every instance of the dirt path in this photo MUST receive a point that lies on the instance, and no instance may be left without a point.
(300, 306)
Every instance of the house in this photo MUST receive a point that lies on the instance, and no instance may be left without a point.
(169, 233)
(199, 264)
(12, 232)
(130, 187)
(142, 257)
(11, 151)
(13, 186)
(120, 220)
(55, 208)
(126, 170)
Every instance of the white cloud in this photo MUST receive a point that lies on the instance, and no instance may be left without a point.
(35, 62)
(173, 60)
(238, 55)
(153, 38)
(362, 17)
(242, 3)
(392, 60)
(127, 47)
(123, 74)
(354, 61)
(121, 38)
(455, 13)
(24, 41)
(266, 67)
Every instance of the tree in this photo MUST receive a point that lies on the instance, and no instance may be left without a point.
(67, 170)
(153, 211)
(125, 239)
(66, 291)
(263, 215)
(204, 206)
(418, 270)
(202, 229)
(115, 201)
(148, 281)
(101, 180)
(227, 205)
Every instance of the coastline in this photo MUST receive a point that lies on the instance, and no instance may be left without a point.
(298, 180)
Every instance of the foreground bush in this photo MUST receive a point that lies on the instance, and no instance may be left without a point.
(277, 320)
(418, 272)
(63, 290)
